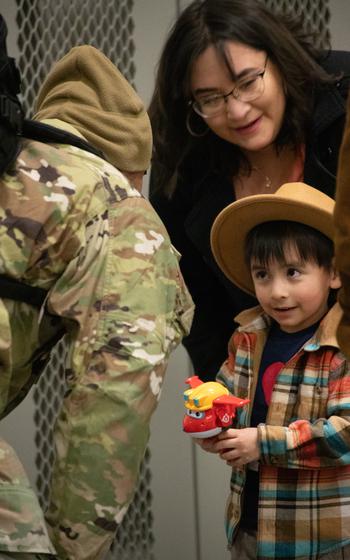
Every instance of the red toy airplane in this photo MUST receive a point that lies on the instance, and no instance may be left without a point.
(210, 408)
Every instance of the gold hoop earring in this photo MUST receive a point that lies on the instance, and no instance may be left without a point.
(193, 132)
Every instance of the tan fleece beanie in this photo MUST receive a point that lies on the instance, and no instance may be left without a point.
(86, 90)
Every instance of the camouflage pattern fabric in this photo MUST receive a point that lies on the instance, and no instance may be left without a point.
(71, 223)
(20, 512)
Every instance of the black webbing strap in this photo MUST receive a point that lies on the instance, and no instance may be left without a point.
(48, 134)
(10, 288)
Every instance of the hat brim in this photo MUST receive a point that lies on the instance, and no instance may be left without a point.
(232, 225)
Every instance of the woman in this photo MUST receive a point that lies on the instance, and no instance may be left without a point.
(243, 103)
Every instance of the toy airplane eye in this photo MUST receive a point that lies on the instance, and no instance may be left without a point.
(195, 414)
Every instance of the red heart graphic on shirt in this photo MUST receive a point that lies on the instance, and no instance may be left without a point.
(269, 379)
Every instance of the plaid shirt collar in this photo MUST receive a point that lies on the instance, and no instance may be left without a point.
(255, 319)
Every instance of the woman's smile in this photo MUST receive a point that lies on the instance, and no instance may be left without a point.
(251, 128)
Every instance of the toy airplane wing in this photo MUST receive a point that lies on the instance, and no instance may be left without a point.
(230, 400)
(193, 381)
(225, 407)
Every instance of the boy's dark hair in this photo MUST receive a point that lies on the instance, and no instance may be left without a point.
(268, 241)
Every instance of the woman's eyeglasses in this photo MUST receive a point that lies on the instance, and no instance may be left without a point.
(247, 89)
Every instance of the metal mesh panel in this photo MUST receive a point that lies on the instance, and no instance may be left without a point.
(48, 395)
(135, 537)
(315, 13)
(47, 29)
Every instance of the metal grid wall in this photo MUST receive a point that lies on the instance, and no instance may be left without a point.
(135, 536)
(47, 29)
(315, 13)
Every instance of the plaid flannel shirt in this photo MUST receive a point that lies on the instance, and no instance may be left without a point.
(304, 498)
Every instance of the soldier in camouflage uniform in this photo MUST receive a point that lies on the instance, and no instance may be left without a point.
(70, 223)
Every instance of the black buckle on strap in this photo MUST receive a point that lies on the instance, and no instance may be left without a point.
(11, 112)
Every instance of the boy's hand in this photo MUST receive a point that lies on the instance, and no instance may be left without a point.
(208, 444)
(238, 447)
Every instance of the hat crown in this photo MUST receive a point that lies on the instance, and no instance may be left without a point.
(305, 194)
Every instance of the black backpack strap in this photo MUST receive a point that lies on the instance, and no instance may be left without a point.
(48, 134)
(10, 288)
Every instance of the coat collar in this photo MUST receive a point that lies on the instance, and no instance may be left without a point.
(255, 319)
(329, 107)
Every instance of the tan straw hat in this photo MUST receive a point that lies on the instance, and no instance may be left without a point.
(295, 202)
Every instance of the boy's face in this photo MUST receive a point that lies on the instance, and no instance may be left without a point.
(293, 293)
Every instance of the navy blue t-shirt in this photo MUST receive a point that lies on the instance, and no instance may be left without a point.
(279, 348)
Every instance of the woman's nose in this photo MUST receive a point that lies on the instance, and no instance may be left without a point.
(235, 108)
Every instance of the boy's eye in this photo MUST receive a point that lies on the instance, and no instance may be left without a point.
(260, 274)
(293, 272)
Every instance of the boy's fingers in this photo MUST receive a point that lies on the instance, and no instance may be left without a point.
(226, 434)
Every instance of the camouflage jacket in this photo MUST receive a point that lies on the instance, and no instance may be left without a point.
(71, 223)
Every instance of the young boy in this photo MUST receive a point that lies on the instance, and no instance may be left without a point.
(290, 452)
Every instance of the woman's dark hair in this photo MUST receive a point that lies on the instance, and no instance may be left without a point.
(215, 22)
(268, 241)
